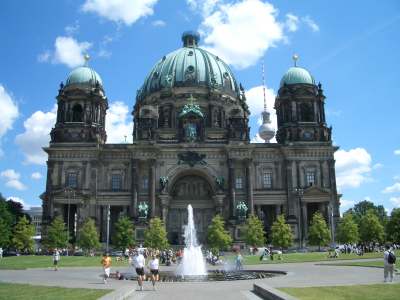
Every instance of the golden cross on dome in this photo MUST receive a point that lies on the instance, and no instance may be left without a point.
(295, 59)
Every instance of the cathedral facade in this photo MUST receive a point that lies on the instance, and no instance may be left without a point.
(191, 145)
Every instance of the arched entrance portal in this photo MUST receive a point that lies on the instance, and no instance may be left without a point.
(194, 190)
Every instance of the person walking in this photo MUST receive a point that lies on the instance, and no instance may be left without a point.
(1, 252)
(389, 259)
(106, 262)
(138, 263)
(239, 260)
(56, 259)
(154, 270)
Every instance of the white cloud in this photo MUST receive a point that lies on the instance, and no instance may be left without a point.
(158, 23)
(397, 152)
(8, 112)
(392, 189)
(69, 51)
(118, 123)
(241, 32)
(36, 175)
(310, 23)
(292, 22)
(72, 29)
(36, 136)
(255, 101)
(44, 57)
(346, 203)
(353, 167)
(12, 179)
(125, 11)
(205, 7)
(22, 201)
(377, 166)
(395, 201)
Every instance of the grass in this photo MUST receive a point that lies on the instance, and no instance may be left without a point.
(42, 261)
(11, 291)
(354, 292)
(306, 257)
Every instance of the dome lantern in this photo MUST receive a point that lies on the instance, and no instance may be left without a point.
(190, 38)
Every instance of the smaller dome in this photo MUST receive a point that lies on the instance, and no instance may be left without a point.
(85, 76)
(296, 75)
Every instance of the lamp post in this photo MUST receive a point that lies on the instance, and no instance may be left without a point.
(108, 227)
(330, 208)
(300, 193)
(68, 192)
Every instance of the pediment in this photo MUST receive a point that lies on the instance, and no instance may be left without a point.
(316, 191)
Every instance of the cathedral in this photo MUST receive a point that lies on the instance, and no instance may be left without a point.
(191, 145)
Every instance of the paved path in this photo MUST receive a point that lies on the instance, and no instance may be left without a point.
(299, 275)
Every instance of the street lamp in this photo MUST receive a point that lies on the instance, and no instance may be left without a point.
(68, 192)
(300, 193)
(330, 208)
(108, 227)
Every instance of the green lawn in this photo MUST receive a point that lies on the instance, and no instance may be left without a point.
(31, 261)
(354, 292)
(12, 291)
(305, 257)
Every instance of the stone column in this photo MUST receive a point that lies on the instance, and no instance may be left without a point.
(277, 210)
(219, 203)
(231, 166)
(152, 187)
(250, 199)
(134, 188)
(304, 227)
(164, 205)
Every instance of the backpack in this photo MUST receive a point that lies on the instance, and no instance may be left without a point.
(391, 258)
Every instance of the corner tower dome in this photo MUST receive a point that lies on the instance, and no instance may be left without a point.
(189, 66)
(84, 75)
(297, 75)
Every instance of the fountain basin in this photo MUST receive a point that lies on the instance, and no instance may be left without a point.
(213, 275)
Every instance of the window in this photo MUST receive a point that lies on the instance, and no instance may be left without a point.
(267, 179)
(72, 180)
(239, 183)
(77, 113)
(310, 177)
(116, 182)
(145, 183)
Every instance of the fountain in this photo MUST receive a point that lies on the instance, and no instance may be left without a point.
(193, 263)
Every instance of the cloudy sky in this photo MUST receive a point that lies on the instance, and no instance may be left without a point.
(351, 48)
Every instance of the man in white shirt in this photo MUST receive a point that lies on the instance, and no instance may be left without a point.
(389, 264)
(154, 266)
(138, 263)
(56, 258)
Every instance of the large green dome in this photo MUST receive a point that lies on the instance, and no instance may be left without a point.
(84, 76)
(189, 66)
(297, 75)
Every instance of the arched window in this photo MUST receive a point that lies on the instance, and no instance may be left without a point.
(77, 113)
(307, 112)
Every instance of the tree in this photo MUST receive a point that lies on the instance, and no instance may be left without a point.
(218, 238)
(155, 236)
(361, 208)
(88, 237)
(347, 230)
(6, 220)
(22, 235)
(371, 230)
(254, 231)
(281, 233)
(393, 226)
(318, 233)
(57, 235)
(124, 236)
(17, 210)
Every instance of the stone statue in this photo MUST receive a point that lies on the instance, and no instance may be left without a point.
(220, 182)
(190, 132)
(241, 209)
(163, 182)
(143, 210)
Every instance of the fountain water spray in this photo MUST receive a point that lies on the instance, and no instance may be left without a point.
(193, 263)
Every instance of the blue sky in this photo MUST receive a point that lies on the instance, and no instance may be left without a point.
(351, 47)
